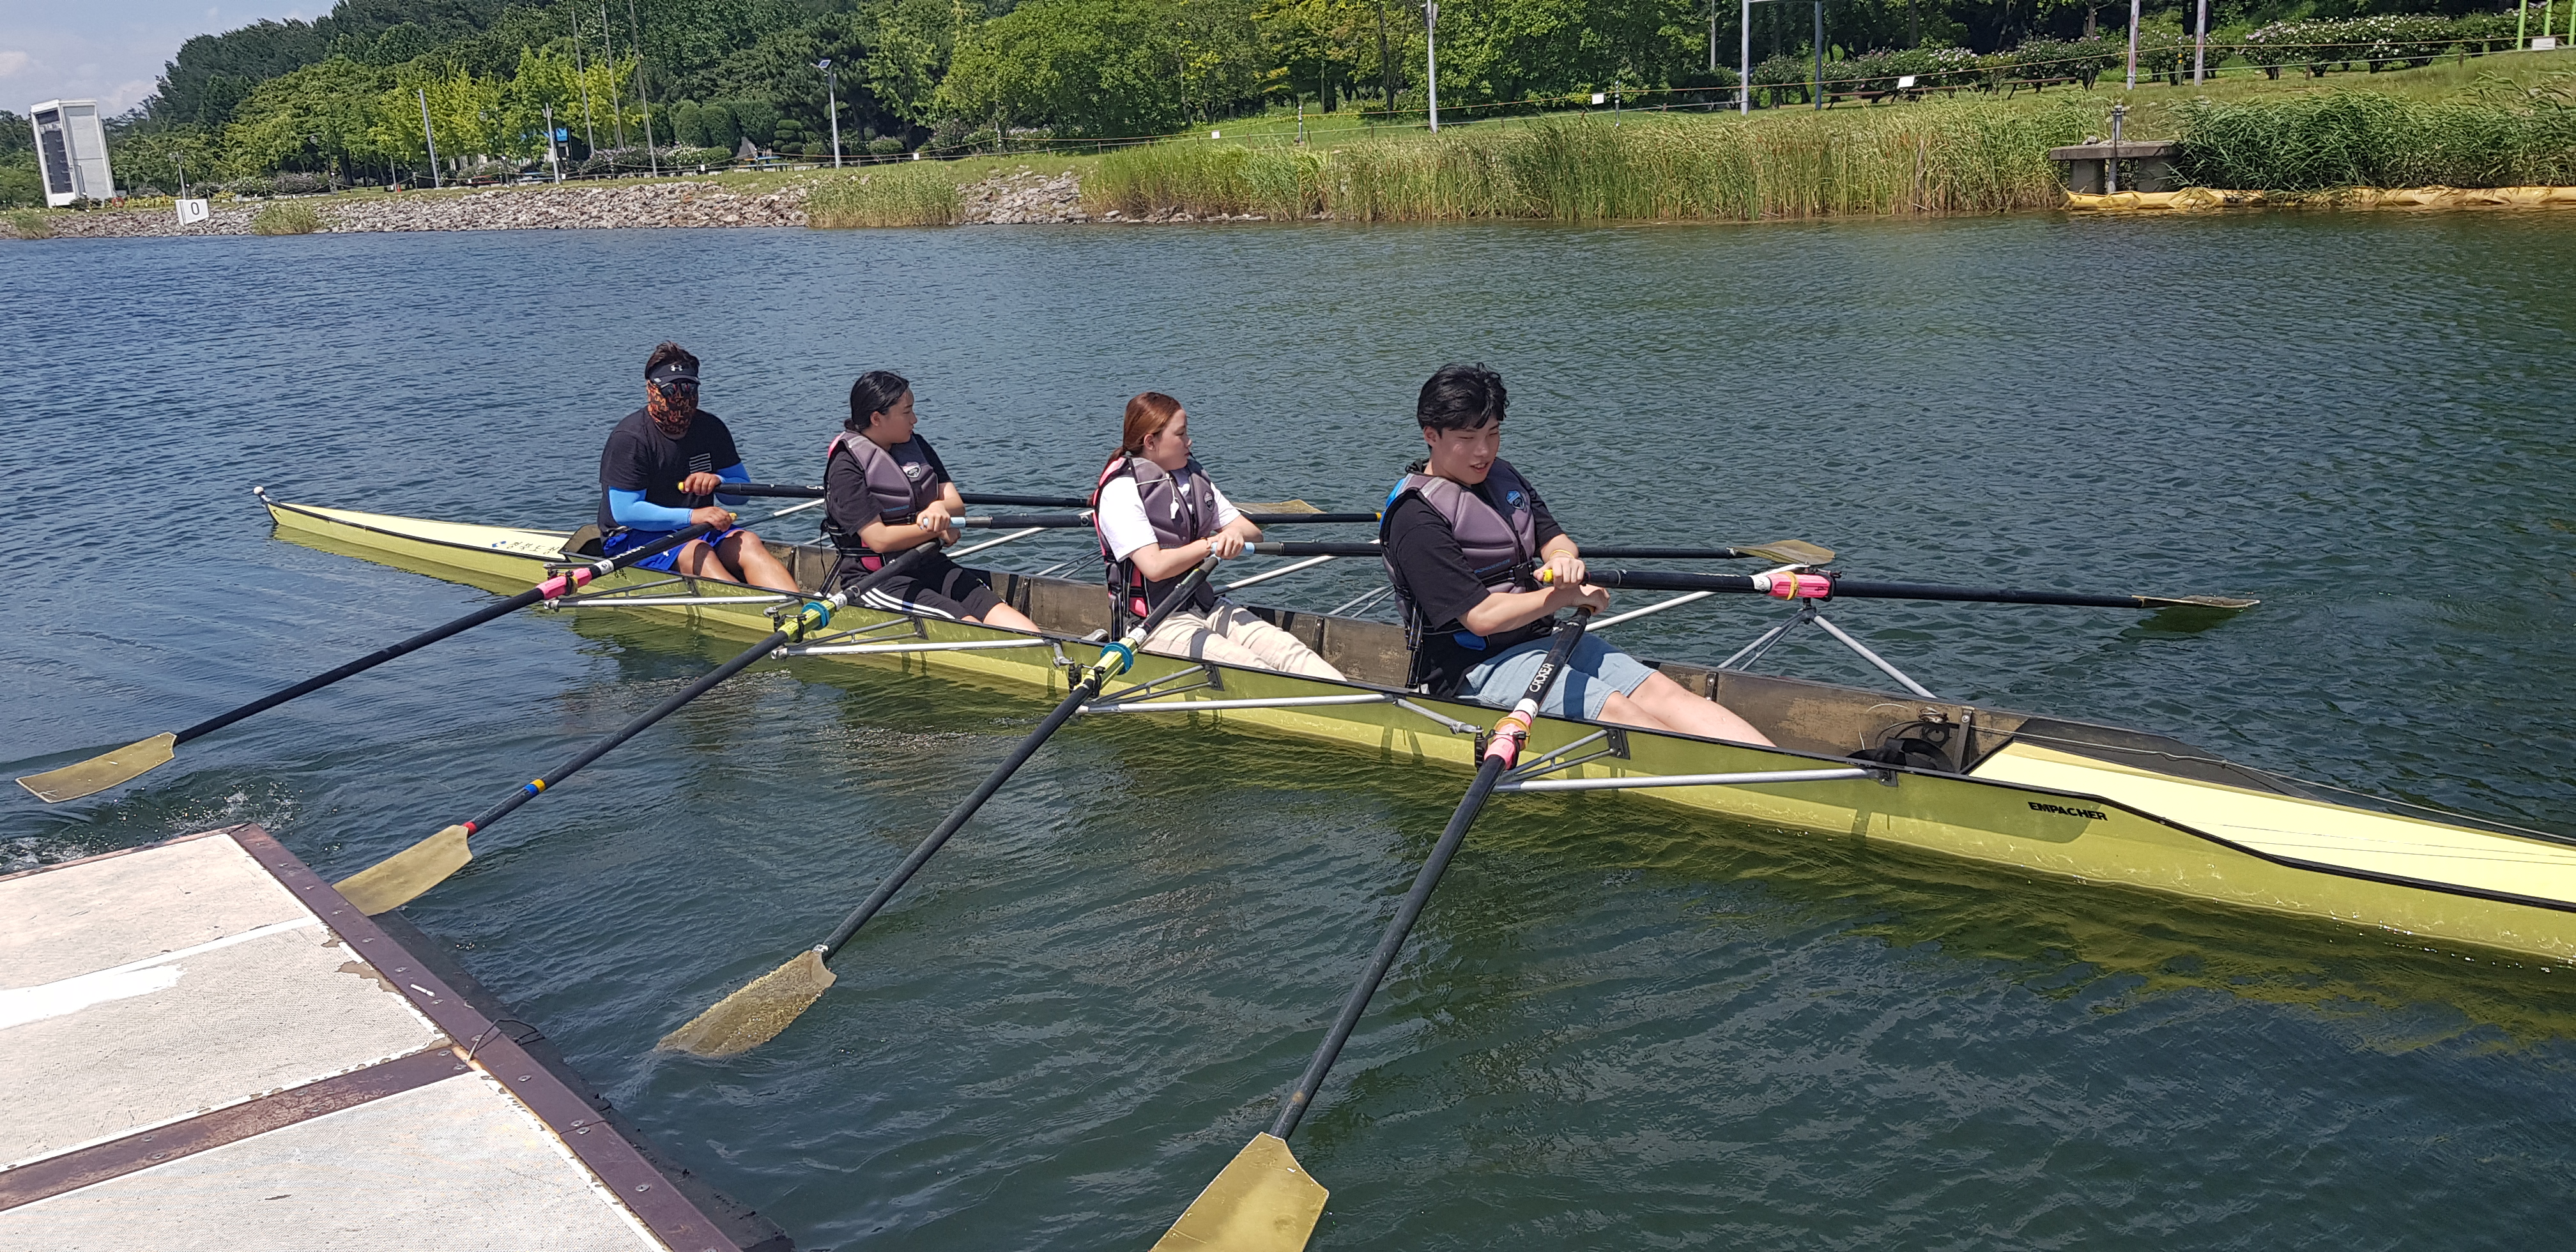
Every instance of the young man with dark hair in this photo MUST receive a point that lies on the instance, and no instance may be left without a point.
(1465, 535)
(660, 471)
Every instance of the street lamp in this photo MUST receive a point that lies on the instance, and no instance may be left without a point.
(832, 105)
(1431, 57)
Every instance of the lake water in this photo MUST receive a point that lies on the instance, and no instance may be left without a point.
(1615, 1027)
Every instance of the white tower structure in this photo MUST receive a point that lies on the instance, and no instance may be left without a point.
(71, 151)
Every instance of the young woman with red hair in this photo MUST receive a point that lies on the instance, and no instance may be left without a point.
(1159, 515)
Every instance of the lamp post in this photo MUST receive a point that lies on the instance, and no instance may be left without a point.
(832, 105)
(1744, 61)
(427, 136)
(2200, 47)
(1820, 54)
(1431, 57)
(2133, 45)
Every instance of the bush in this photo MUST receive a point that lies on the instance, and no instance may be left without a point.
(1780, 74)
(885, 145)
(286, 219)
(299, 183)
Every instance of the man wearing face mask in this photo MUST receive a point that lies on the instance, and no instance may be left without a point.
(661, 472)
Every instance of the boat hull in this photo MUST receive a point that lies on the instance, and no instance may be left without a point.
(2071, 807)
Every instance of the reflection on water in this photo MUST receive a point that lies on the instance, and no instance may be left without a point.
(1617, 1025)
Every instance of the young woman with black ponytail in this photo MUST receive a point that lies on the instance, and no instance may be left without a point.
(885, 491)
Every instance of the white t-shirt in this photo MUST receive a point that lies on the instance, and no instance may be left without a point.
(1122, 515)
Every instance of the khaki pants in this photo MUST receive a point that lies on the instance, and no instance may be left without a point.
(1233, 636)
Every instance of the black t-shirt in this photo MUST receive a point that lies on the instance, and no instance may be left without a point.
(1431, 569)
(640, 458)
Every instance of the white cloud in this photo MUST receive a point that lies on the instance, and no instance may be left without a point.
(12, 62)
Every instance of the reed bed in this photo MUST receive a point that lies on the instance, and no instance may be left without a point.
(914, 193)
(286, 219)
(2335, 139)
(1937, 157)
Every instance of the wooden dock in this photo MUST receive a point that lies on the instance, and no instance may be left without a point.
(203, 1046)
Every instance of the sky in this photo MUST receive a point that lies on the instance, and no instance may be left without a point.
(110, 51)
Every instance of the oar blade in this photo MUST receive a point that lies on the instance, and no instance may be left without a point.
(2228, 603)
(1261, 1202)
(1279, 506)
(393, 882)
(97, 774)
(1789, 552)
(754, 1015)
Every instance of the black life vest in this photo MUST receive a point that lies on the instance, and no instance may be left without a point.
(1177, 516)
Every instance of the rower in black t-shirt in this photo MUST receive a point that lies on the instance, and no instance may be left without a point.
(885, 491)
(1465, 534)
(660, 471)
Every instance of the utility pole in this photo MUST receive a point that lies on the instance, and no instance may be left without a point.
(589, 136)
(1431, 57)
(1712, 36)
(553, 157)
(427, 136)
(1820, 54)
(642, 101)
(1385, 59)
(616, 107)
(2133, 45)
(1744, 63)
(832, 105)
(2200, 46)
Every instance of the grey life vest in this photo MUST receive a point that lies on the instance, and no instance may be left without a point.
(1177, 516)
(1501, 545)
(900, 482)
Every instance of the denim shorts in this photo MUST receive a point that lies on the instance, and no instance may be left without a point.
(1594, 671)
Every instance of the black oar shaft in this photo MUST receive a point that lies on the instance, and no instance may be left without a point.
(1391, 944)
(793, 491)
(1853, 589)
(1268, 548)
(545, 590)
(957, 818)
(741, 661)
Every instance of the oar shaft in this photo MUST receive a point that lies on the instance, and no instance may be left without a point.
(1499, 755)
(1269, 548)
(793, 491)
(1083, 691)
(548, 589)
(1858, 589)
(1815, 586)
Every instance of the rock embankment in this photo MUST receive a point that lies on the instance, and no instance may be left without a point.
(1024, 198)
(628, 206)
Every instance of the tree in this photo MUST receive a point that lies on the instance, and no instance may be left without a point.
(309, 118)
(1087, 67)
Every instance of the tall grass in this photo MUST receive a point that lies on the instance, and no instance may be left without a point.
(28, 223)
(1964, 156)
(2332, 139)
(286, 219)
(922, 193)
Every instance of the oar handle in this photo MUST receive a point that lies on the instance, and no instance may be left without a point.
(1083, 691)
(1268, 548)
(1024, 521)
(1499, 755)
(547, 590)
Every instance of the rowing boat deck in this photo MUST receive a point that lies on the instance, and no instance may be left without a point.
(202, 1046)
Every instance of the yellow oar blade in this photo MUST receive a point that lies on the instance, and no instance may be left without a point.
(392, 882)
(754, 1015)
(1279, 506)
(2229, 603)
(1262, 1202)
(97, 774)
(1790, 552)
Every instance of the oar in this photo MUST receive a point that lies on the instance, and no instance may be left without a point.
(794, 492)
(99, 773)
(394, 881)
(1803, 586)
(1068, 521)
(754, 1014)
(1263, 1201)
(1780, 551)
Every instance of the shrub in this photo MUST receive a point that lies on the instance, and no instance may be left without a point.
(286, 219)
(1780, 74)
(885, 145)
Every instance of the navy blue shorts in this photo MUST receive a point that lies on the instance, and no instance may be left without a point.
(625, 539)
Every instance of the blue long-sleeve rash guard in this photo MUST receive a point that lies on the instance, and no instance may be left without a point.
(632, 510)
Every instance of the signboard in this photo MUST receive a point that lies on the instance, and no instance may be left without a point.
(1905, 83)
(2544, 43)
(1599, 98)
(192, 212)
(562, 135)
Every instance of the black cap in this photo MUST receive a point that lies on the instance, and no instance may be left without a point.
(672, 369)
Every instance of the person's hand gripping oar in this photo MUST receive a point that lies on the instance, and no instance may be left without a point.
(1262, 1201)
(99, 773)
(395, 880)
(766, 1005)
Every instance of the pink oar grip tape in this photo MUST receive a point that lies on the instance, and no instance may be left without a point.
(1799, 586)
(1508, 735)
(564, 582)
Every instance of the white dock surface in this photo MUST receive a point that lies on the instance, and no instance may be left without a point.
(203, 1047)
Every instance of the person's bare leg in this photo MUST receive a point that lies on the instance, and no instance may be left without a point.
(743, 551)
(1622, 711)
(697, 560)
(1007, 617)
(1676, 708)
